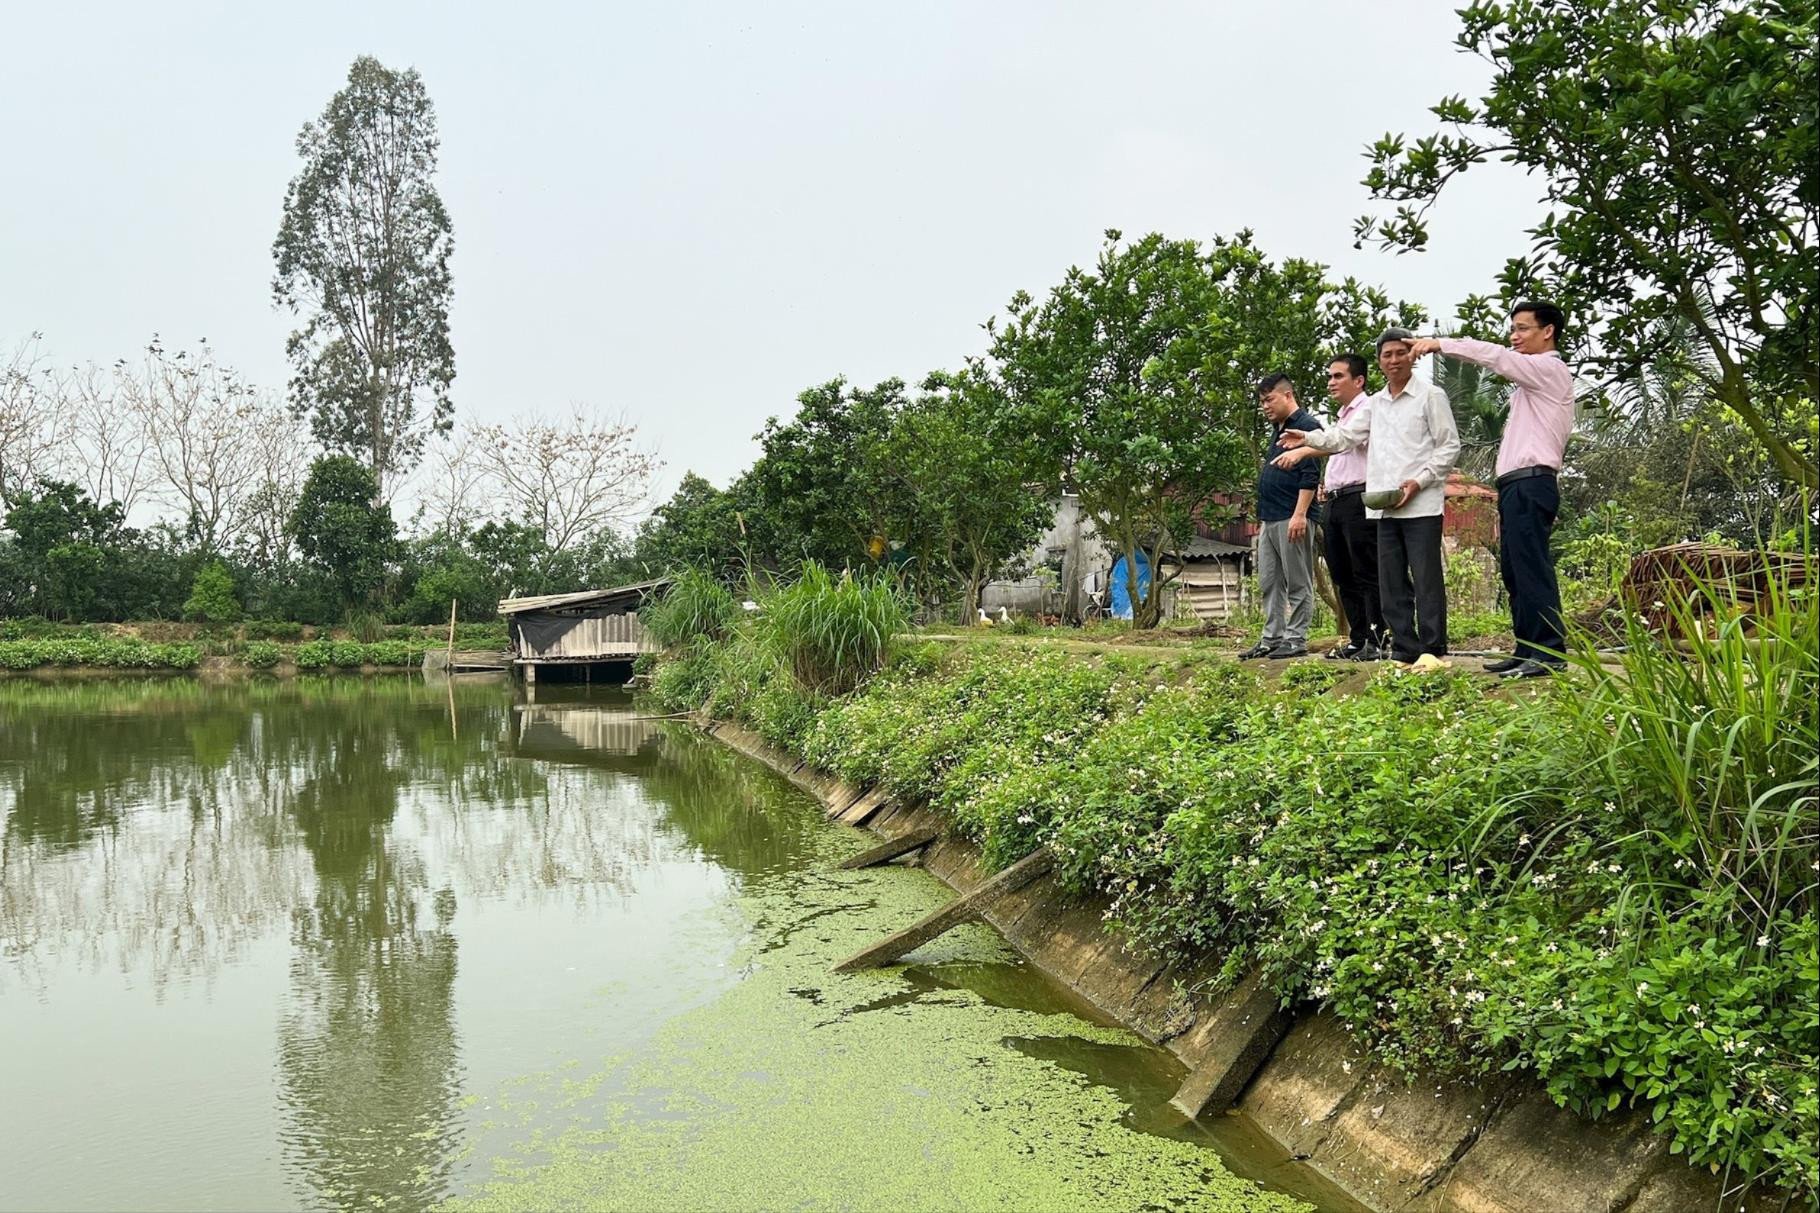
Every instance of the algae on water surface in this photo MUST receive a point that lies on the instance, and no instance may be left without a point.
(799, 1088)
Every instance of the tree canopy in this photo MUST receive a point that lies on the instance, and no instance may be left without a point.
(363, 254)
(1678, 153)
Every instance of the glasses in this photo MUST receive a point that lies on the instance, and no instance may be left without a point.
(1525, 328)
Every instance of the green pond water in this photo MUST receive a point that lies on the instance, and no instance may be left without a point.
(384, 944)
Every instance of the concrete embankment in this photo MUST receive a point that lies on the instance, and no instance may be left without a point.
(1429, 1147)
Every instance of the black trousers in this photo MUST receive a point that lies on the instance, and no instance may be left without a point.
(1526, 515)
(1412, 586)
(1351, 543)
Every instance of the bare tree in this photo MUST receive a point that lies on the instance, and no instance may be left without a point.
(104, 441)
(456, 482)
(196, 415)
(567, 479)
(279, 453)
(33, 424)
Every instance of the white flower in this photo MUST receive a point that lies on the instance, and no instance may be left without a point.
(1642, 988)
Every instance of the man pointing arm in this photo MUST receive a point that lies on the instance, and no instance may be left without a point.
(1529, 458)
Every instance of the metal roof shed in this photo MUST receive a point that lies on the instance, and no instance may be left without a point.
(582, 628)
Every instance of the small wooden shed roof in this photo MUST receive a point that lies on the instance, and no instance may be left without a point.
(620, 597)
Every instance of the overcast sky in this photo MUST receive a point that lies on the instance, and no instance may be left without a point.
(692, 211)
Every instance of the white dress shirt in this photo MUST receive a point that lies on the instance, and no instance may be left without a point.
(1409, 436)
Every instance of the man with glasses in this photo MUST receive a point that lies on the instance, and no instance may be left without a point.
(1413, 442)
(1285, 555)
(1529, 459)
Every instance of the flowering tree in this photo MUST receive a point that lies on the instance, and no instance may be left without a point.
(566, 479)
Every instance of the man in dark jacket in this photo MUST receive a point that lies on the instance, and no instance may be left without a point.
(1285, 553)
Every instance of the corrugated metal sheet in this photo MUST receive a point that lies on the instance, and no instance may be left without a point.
(597, 637)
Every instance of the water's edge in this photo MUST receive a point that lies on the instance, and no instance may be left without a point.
(1396, 1147)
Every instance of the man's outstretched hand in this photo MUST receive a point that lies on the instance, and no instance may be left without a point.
(1289, 459)
(1292, 438)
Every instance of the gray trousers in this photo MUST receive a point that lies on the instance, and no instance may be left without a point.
(1286, 579)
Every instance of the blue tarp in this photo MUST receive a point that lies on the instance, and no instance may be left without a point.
(1118, 597)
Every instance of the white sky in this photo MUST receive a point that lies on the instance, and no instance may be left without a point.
(690, 212)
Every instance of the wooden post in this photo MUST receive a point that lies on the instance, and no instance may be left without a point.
(885, 852)
(962, 909)
(452, 635)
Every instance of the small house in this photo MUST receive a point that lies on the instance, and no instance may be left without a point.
(1208, 578)
(578, 634)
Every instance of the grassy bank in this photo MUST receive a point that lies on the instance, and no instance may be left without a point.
(1475, 881)
(261, 645)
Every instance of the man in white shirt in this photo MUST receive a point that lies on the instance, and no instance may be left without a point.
(1411, 443)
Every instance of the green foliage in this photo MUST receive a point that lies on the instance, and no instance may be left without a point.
(343, 531)
(363, 250)
(313, 655)
(964, 508)
(694, 605)
(365, 626)
(347, 654)
(1608, 885)
(833, 632)
(1136, 379)
(1675, 145)
(263, 654)
(817, 481)
(72, 558)
(212, 598)
(1710, 739)
(99, 652)
(271, 629)
(699, 527)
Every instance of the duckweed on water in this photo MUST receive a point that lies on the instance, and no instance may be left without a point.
(803, 1089)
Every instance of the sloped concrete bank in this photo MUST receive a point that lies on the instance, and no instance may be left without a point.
(1430, 1147)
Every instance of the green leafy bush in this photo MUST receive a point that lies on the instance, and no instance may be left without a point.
(313, 655)
(694, 605)
(833, 632)
(212, 598)
(347, 654)
(394, 653)
(263, 654)
(97, 651)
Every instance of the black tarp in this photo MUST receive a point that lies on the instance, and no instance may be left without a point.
(538, 631)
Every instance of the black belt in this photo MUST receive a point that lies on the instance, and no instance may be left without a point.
(1344, 491)
(1535, 469)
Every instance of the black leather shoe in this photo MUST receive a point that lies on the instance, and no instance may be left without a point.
(1289, 650)
(1368, 652)
(1531, 669)
(1256, 651)
(1504, 666)
(1346, 652)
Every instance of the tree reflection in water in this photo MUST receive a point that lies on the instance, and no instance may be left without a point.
(161, 827)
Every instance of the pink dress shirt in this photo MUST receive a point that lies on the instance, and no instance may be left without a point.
(1347, 467)
(1541, 408)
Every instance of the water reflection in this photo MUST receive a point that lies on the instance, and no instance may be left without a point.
(163, 828)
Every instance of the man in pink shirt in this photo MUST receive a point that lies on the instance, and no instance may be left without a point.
(1529, 459)
(1351, 536)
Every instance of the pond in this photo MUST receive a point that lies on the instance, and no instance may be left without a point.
(377, 943)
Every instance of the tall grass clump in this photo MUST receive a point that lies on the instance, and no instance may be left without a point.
(695, 605)
(834, 632)
(1708, 730)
